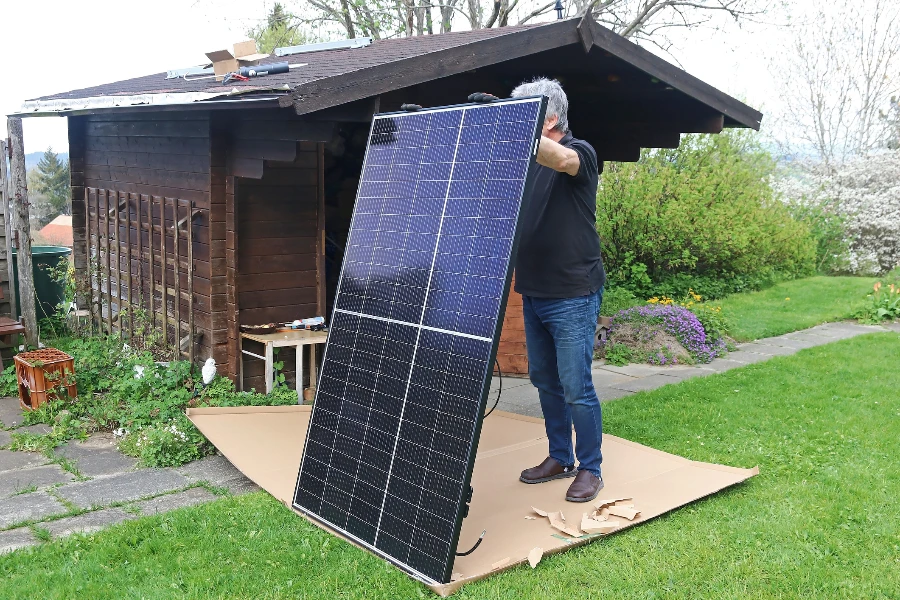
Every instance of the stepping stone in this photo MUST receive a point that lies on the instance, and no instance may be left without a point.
(169, 502)
(86, 523)
(123, 487)
(789, 342)
(767, 350)
(16, 538)
(10, 412)
(97, 457)
(39, 429)
(214, 469)
(647, 383)
(608, 378)
(725, 364)
(690, 372)
(12, 482)
(633, 370)
(10, 460)
(238, 487)
(745, 357)
(608, 393)
(28, 507)
(5, 437)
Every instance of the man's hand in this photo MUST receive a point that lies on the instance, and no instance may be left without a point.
(558, 157)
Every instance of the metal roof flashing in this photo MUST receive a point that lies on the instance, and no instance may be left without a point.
(58, 107)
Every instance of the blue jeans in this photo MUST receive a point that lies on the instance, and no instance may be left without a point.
(559, 335)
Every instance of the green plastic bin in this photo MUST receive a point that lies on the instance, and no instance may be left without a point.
(50, 293)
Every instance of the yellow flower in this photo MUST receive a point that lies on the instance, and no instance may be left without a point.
(787, 299)
(877, 287)
(653, 300)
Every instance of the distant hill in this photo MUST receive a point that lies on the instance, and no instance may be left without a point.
(33, 158)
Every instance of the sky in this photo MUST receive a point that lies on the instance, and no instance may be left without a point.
(63, 45)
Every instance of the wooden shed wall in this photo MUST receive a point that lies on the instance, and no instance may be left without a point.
(147, 162)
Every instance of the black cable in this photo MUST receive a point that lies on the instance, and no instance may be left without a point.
(499, 389)
(475, 547)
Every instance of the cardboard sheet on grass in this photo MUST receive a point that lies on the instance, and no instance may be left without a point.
(266, 444)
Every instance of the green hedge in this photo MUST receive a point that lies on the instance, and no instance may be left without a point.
(701, 216)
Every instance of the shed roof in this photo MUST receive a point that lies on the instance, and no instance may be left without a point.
(334, 77)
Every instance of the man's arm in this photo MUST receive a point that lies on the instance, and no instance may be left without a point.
(558, 157)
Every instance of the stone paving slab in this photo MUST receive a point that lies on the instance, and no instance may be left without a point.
(12, 482)
(533, 410)
(240, 485)
(741, 356)
(766, 349)
(28, 507)
(647, 383)
(87, 522)
(608, 393)
(609, 379)
(16, 538)
(5, 437)
(169, 502)
(10, 460)
(94, 459)
(892, 326)
(633, 370)
(689, 372)
(214, 469)
(39, 429)
(10, 412)
(123, 487)
(789, 342)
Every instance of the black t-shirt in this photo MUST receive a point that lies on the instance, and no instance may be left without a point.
(559, 249)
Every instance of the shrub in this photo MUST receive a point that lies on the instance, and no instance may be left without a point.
(864, 193)
(617, 298)
(701, 216)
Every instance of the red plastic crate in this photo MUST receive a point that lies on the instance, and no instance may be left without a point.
(32, 370)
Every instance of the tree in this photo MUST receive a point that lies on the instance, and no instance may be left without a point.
(51, 179)
(644, 20)
(280, 29)
(838, 73)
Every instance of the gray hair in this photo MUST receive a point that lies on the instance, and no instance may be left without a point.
(558, 103)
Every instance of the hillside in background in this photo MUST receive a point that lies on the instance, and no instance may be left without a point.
(33, 158)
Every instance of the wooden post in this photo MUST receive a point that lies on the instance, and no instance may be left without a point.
(23, 228)
(7, 214)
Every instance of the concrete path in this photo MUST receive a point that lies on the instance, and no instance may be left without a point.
(612, 382)
(90, 485)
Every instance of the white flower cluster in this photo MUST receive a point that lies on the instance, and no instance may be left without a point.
(867, 190)
(173, 429)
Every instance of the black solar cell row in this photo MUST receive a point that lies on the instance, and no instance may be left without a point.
(394, 429)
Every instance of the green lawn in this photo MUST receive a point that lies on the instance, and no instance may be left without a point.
(822, 520)
(813, 300)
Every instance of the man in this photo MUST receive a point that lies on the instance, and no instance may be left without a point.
(559, 273)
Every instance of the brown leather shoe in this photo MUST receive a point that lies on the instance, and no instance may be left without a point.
(546, 471)
(585, 487)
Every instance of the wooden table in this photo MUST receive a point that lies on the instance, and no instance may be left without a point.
(291, 339)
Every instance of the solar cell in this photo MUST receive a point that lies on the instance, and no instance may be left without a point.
(420, 300)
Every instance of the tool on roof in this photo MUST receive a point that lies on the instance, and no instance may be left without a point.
(482, 97)
(245, 73)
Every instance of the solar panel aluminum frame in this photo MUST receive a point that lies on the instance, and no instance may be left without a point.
(463, 506)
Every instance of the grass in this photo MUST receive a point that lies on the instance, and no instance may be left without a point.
(822, 520)
(813, 300)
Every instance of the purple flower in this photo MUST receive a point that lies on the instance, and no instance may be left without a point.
(676, 321)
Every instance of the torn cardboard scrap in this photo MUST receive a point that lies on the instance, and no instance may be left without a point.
(534, 557)
(623, 511)
(591, 525)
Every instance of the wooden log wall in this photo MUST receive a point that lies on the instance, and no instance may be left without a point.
(279, 254)
(6, 291)
(142, 233)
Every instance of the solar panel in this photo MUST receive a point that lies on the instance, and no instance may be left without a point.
(418, 310)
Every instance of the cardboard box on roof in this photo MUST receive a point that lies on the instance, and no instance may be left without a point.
(227, 61)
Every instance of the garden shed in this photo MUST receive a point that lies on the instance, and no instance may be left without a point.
(208, 205)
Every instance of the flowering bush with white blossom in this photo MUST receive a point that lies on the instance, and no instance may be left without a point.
(866, 193)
